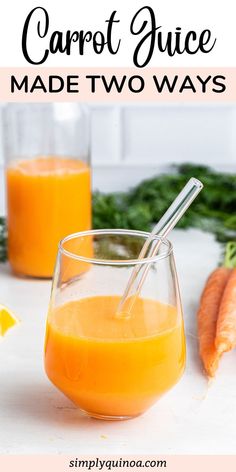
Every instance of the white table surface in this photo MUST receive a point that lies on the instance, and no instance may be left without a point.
(194, 418)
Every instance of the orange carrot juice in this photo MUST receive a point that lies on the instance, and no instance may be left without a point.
(110, 366)
(47, 198)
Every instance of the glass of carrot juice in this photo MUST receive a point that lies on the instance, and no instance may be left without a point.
(113, 367)
(47, 181)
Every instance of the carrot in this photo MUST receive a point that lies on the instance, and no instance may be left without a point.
(226, 324)
(207, 318)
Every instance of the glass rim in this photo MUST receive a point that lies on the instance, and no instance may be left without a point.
(116, 262)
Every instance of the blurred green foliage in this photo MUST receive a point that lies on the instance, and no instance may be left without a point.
(3, 238)
(214, 210)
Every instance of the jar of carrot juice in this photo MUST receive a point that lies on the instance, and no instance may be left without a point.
(47, 181)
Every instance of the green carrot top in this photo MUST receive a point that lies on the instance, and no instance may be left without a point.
(230, 255)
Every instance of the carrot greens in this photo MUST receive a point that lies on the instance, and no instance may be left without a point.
(143, 205)
(3, 237)
(230, 255)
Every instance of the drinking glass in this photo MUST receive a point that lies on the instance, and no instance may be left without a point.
(113, 366)
(47, 169)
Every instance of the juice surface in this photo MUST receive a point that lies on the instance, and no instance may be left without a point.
(47, 198)
(113, 366)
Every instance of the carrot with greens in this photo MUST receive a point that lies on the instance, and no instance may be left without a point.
(226, 323)
(207, 318)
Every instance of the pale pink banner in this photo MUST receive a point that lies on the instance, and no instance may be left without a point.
(32, 84)
(60, 463)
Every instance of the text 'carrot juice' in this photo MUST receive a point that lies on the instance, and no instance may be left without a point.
(47, 198)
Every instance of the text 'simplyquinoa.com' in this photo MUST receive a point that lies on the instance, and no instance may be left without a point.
(111, 464)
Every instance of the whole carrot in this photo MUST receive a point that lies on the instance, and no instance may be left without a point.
(207, 318)
(226, 324)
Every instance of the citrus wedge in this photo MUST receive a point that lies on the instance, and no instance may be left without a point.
(7, 320)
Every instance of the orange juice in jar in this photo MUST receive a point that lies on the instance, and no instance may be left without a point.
(110, 366)
(48, 193)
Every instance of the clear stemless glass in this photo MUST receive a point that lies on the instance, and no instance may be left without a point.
(111, 366)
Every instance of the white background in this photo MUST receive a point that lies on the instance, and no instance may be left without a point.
(128, 144)
(133, 142)
(35, 418)
(143, 139)
(91, 15)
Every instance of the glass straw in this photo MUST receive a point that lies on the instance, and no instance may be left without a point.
(161, 229)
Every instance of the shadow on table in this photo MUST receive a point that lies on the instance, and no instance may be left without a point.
(40, 402)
